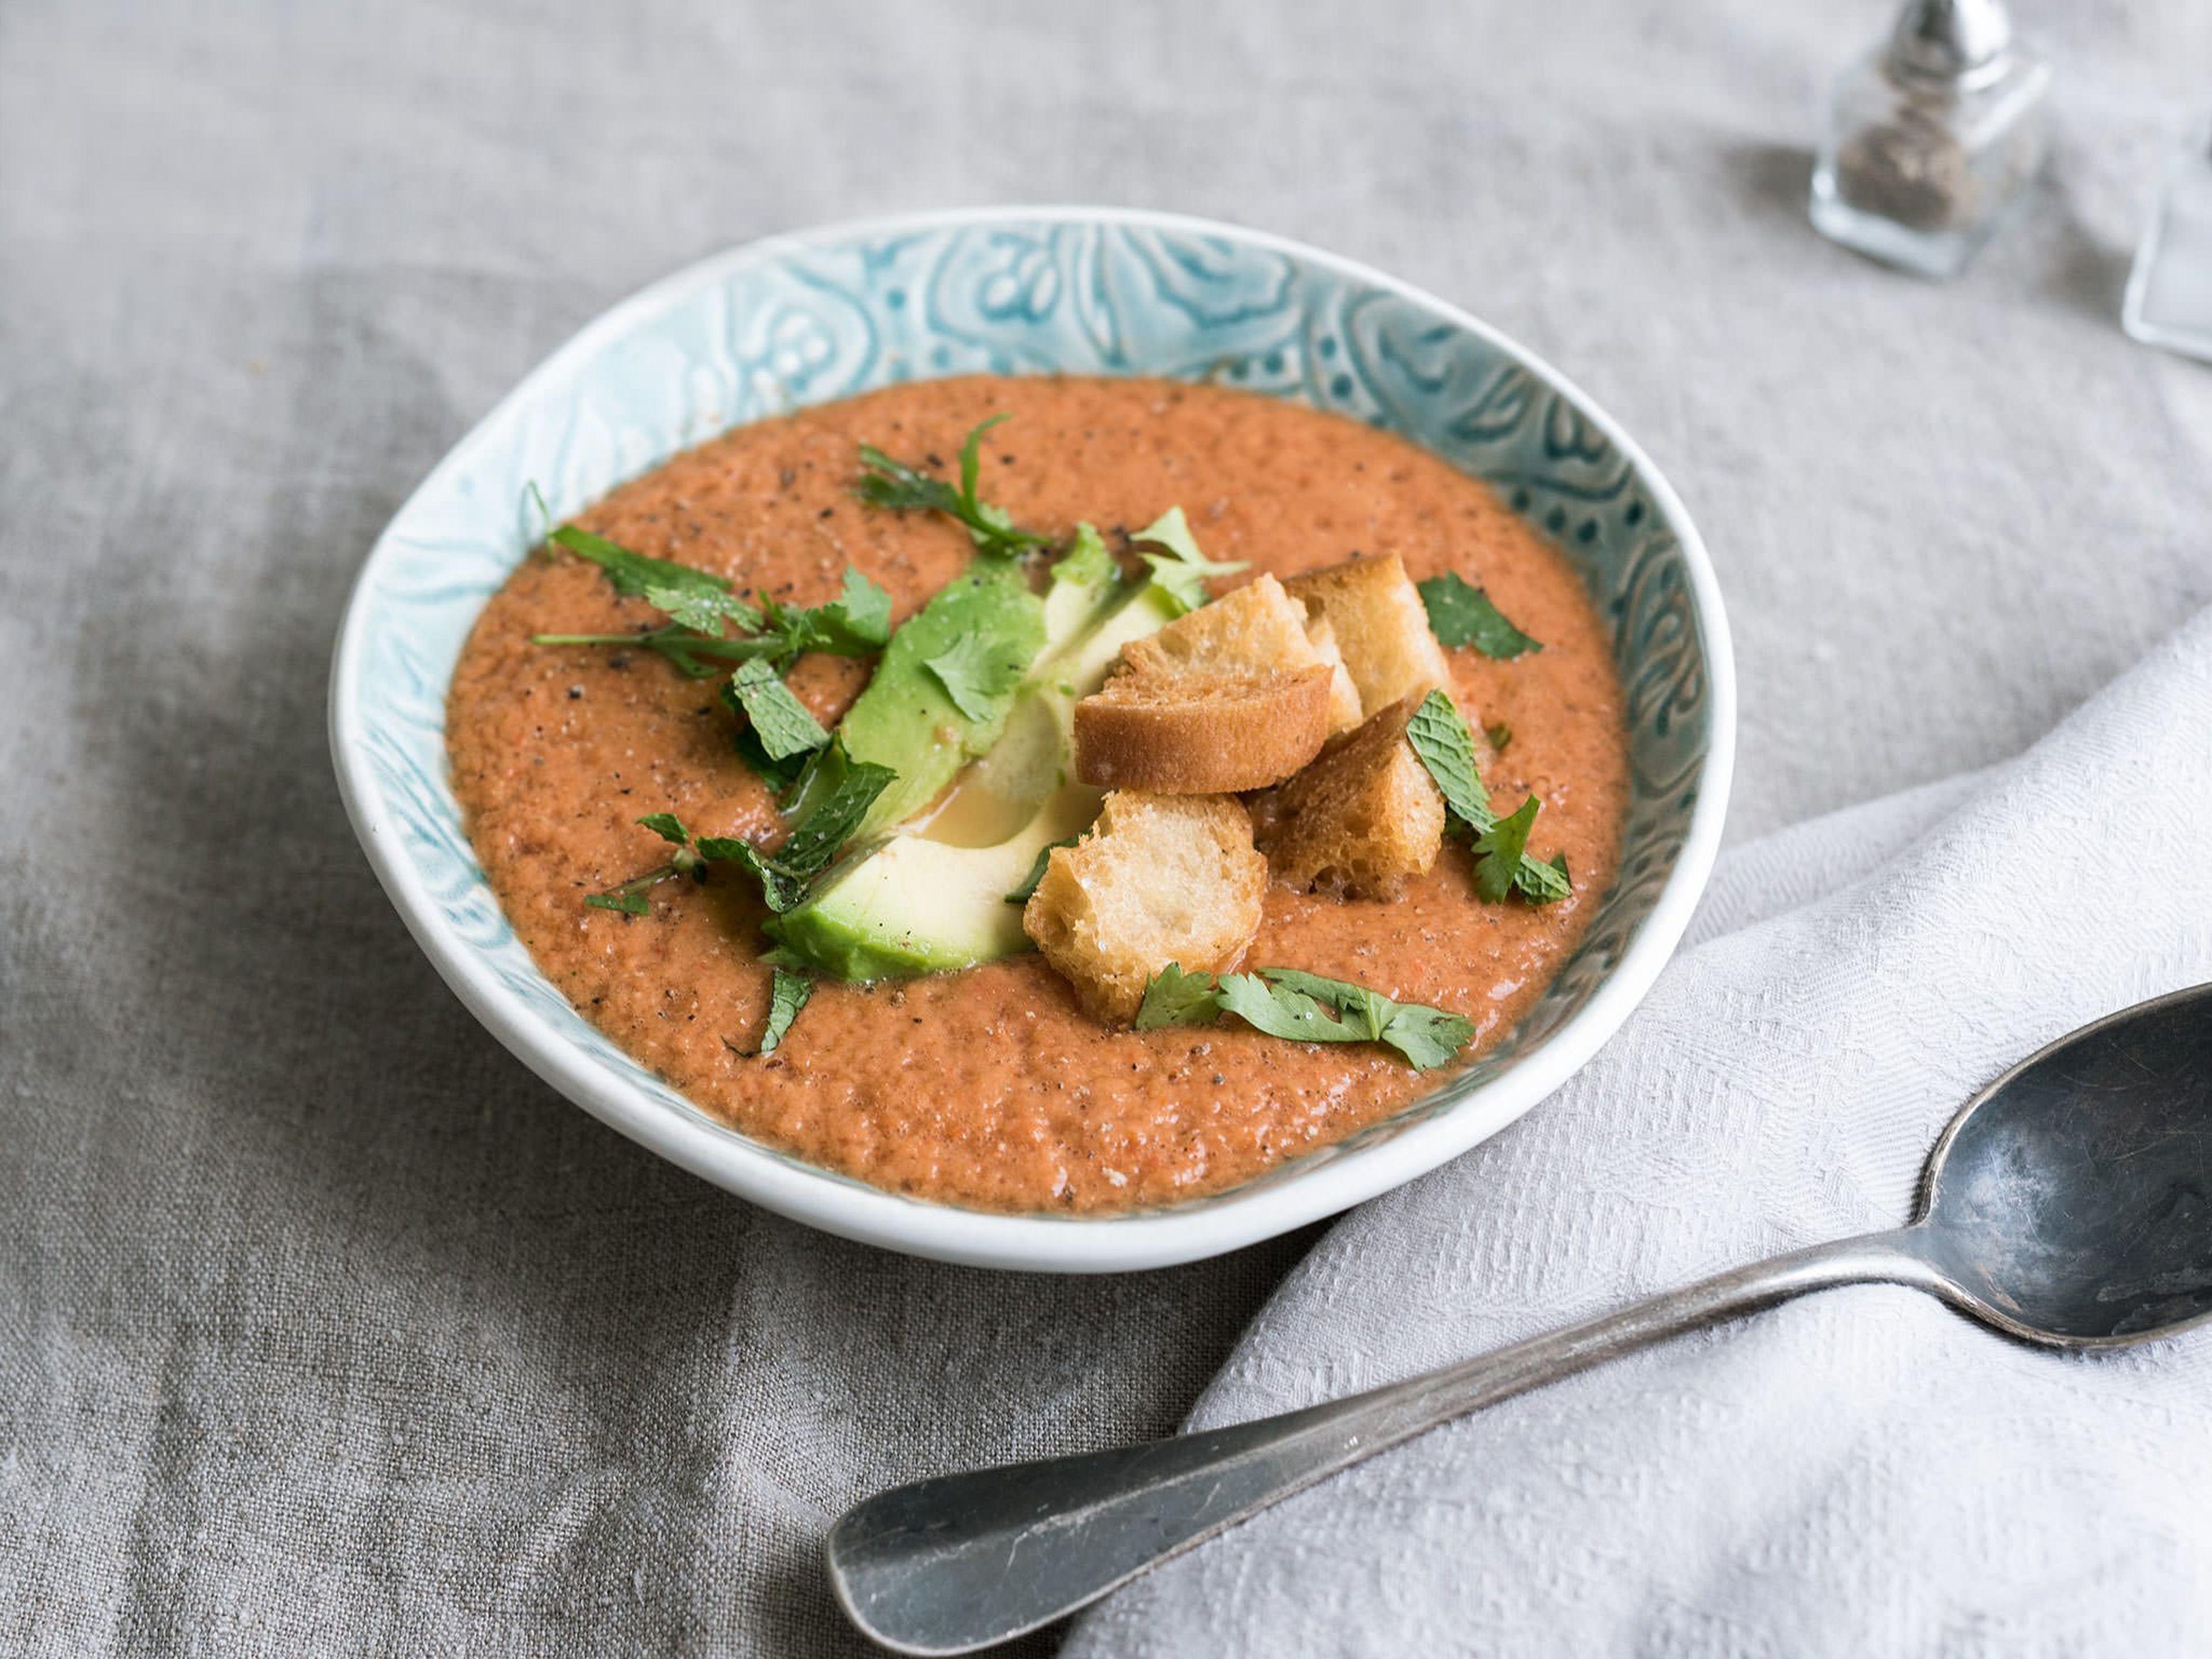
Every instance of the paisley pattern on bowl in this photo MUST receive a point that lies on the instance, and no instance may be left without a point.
(795, 321)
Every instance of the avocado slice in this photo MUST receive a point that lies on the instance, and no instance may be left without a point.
(933, 896)
(986, 620)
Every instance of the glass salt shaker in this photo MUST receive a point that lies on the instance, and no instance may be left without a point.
(1933, 138)
(2169, 299)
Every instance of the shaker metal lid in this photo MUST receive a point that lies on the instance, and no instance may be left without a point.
(1962, 43)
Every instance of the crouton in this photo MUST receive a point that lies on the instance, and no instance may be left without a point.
(1159, 879)
(1344, 707)
(1380, 625)
(1201, 734)
(1257, 628)
(1361, 819)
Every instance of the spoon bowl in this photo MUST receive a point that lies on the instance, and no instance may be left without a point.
(2069, 1204)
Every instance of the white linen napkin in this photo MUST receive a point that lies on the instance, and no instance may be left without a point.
(1858, 1472)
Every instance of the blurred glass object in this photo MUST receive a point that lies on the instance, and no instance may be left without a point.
(1933, 138)
(2169, 301)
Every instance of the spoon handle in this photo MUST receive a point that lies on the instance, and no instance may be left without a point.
(961, 1561)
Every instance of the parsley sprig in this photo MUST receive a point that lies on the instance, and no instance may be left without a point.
(1502, 864)
(1302, 1007)
(901, 488)
(702, 609)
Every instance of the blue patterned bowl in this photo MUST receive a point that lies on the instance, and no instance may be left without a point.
(802, 320)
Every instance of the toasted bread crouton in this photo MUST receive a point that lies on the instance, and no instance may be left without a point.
(1201, 734)
(1257, 628)
(1344, 708)
(1380, 625)
(1362, 819)
(1159, 879)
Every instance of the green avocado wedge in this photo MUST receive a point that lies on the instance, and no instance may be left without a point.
(930, 897)
(941, 694)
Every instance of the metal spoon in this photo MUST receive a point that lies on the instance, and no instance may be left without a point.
(2069, 1204)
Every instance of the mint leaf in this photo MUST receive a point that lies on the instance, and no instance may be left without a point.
(628, 898)
(1176, 998)
(1180, 571)
(1498, 736)
(667, 826)
(703, 611)
(1497, 852)
(786, 875)
(977, 672)
(1444, 746)
(779, 720)
(787, 995)
(632, 573)
(1542, 882)
(1027, 890)
(901, 488)
(1461, 614)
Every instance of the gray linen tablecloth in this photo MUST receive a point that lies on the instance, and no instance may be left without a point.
(323, 1327)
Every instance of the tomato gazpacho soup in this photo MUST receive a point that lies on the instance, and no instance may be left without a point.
(1051, 794)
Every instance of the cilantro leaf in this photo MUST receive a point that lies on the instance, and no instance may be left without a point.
(1302, 1007)
(1181, 570)
(1444, 744)
(1497, 852)
(976, 671)
(1176, 998)
(779, 720)
(1428, 1038)
(901, 488)
(1461, 614)
(1023, 893)
(787, 995)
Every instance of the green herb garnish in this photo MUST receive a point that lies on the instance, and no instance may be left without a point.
(977, 671)
(779, 721)
(787, 874)
(1497, 735)
(901, 488)
(1445, 746)
(702, 608)
(1180, 571)
(1027, 890)
(1461, 614)
(629, 898)
(1304, 1007)
(787, 995)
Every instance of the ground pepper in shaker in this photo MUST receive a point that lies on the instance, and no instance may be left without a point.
(1933, 138)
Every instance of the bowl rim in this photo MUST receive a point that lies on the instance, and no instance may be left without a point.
(1103, 1243)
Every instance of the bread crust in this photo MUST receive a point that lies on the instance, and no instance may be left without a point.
(1159, 879)
(1380, 625)
(1201, 734)
(1257, 629)
(1360, 821)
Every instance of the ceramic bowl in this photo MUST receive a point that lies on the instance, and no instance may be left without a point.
(802, 320)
